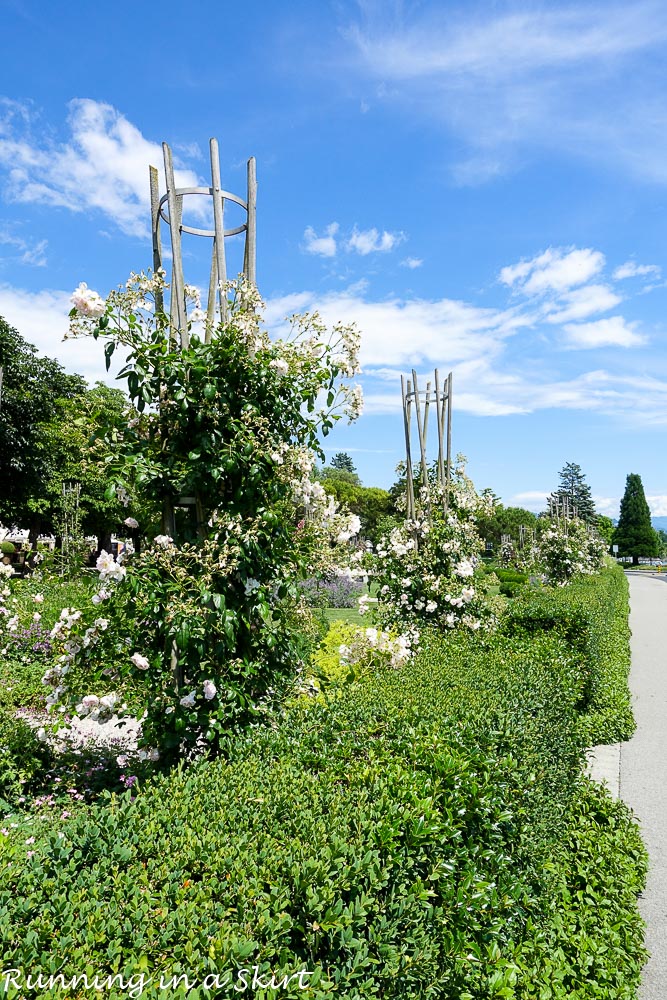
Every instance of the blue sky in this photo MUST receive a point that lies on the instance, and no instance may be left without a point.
(482, 187)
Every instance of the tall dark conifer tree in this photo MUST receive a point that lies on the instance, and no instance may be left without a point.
(634, 534)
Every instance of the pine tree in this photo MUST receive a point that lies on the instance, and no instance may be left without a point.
(634, 534)
(574, 488)
(342, 461)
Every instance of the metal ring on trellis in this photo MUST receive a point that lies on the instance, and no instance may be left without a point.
(226, 195)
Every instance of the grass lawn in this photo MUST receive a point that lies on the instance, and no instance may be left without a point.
(350, 615)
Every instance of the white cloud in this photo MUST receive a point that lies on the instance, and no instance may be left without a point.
(507, 44)
(606, 505)
(633, 270)
(534, 500)
(577, 78)
(367, 241)
(397, 331)
(502, 362)
(42, 319)
(103, 165)
(412, 262)
(657, 504)
(582, 302)
(321, 246)
(611, 332)
(556, 270)
(490, 378)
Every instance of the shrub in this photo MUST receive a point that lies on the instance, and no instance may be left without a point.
(200, 629)
(592, 946)
(334, 591)
(425, 834)
(23, 759)
(380, 841)
(7, 548)
(510, 575)
(591, 615)
(426, 570)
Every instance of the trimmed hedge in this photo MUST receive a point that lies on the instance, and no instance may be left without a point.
(591, 615)
(415, 837)
(593, 945)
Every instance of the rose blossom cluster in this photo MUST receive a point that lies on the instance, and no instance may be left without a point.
(372, 648)
(426, 568)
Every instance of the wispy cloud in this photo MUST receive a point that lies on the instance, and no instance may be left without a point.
(506, 360)
(579, 78)
(582, 302)
(102, 166)
(657, 504)
(412, 262)
(557, 285)
(535, 500)
(24, 251)
(633, 270)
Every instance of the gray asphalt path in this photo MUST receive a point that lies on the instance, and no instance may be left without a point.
(643, 770)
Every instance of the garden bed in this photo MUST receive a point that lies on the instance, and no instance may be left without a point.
(425, 832)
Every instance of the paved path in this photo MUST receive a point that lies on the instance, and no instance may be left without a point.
(643, 764)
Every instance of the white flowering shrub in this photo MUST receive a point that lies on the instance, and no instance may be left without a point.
(426, 570)
(372, 649)
(566, 549)
(205, 636)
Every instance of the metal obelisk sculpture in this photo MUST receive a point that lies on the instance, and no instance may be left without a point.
(168, 208)
(420, 401)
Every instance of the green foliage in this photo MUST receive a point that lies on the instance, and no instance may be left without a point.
(207, 633)
(510, 575)
(575, 490)
(662, 542)
(79, 453)
(567, 549)
(33, 390)
(499, 521)
(23, 759)
(592, 947)
(427, 833)
(605, 529)
(425, 570)
(591, 615)
(26, 651)
(634, 534)
(7, 548)
(377, 841)
(342, 461)
(371, 504)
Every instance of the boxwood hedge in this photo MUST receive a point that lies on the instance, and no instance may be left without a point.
(414, 837)
(591, 615)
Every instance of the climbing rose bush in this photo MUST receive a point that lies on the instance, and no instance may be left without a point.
(567, 549)
(207, 634)
(427, 570)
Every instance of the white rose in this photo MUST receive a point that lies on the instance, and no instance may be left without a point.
(210, 690)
